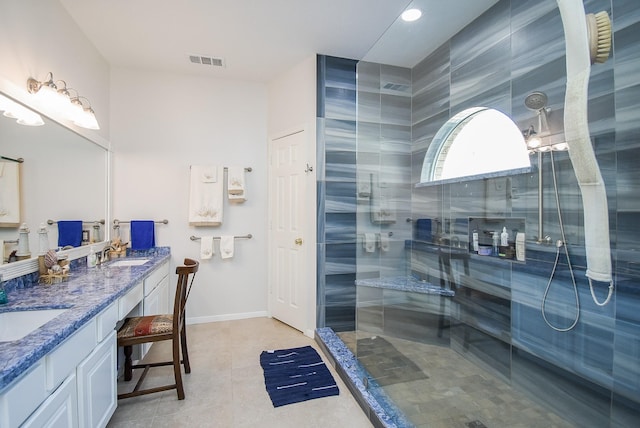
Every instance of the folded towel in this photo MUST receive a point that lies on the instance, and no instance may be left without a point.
(10, 193)
(226, 246)
(69, 233)
(235, 180)
(209, 174)
(384, 241)
(143, 234)
(369, 242)
(237, 199)
(206, 247)
(205, 196)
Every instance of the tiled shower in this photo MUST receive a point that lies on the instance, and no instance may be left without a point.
(375, 122)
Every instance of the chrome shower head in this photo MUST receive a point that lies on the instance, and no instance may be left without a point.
(536, 101)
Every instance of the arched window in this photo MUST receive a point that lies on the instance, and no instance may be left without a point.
(476, 141)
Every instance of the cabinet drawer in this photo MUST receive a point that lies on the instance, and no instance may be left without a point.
(107, 320)
(59, 410)
(23, 397)
(154, 279)
(130, 300)
(64, 358)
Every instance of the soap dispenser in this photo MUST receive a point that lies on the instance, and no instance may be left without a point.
(23, 243)
(504, 237)
(92, 258)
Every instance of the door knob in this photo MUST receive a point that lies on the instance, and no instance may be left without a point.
(298, 241)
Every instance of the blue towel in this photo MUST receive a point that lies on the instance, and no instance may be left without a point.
(69, 233)
(142, 234)
(423, 229)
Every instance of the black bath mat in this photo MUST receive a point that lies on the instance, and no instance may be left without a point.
(385, 363)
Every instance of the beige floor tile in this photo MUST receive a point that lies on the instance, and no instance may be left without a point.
(226, 385)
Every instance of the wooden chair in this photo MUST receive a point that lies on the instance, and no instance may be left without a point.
(155, 328)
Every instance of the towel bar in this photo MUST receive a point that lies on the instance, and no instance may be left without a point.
(248, 236)
(376, 233)
(50, 222)
(117, 222)
(20, 160)
(247, 169)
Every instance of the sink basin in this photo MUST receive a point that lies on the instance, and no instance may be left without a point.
(16, 325)
(129, 262)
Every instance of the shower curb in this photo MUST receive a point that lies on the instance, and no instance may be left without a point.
(379, 408)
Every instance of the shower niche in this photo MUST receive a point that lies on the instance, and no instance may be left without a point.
(502, 238)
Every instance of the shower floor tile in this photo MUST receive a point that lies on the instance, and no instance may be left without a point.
(454, 392)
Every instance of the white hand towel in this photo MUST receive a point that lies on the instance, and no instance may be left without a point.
(369, 242)
(206, 195)
(384, 241)
(235, 180)
(226, 246)
(206, 247)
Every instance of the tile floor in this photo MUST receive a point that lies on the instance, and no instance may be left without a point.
(226, 385)
(451, 391)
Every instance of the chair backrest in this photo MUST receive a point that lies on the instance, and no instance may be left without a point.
(186, 275)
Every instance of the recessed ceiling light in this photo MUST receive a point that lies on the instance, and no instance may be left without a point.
(410, 15)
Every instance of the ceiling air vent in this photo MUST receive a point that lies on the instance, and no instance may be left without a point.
(206, 60)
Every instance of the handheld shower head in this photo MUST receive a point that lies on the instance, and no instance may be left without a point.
(536, 101)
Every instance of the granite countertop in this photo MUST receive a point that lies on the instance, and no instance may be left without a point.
(405, 283)
(85, 294)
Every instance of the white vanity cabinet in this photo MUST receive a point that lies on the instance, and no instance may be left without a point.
(75, 384)
(72, 386)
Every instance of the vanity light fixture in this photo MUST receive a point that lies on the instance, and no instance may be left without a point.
(23, 115)
(61, 101)
(411, 15)
(83, 116)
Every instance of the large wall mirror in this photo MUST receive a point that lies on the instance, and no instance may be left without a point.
(63, 176)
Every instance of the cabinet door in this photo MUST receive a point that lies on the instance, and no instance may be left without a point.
(59, 410)
(97, 390)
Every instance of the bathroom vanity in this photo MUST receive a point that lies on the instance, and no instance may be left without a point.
(63, 373)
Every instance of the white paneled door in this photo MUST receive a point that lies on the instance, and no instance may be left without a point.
(287, 248)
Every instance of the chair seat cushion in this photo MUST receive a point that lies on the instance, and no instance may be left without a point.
(144, 326)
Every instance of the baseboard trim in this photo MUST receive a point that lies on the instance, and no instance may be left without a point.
(227, 317)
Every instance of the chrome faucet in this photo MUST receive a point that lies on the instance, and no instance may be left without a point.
(104, 254)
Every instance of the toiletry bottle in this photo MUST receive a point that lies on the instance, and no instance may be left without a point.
(496, 242)
(92, 258)
(520, 247)
(475, 241)
(504, 237)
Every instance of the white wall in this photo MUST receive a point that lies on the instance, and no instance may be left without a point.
(161, 124)
(292, 105)
(37, 37)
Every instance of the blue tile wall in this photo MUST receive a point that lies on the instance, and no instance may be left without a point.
(336, 187)
(515, 48)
